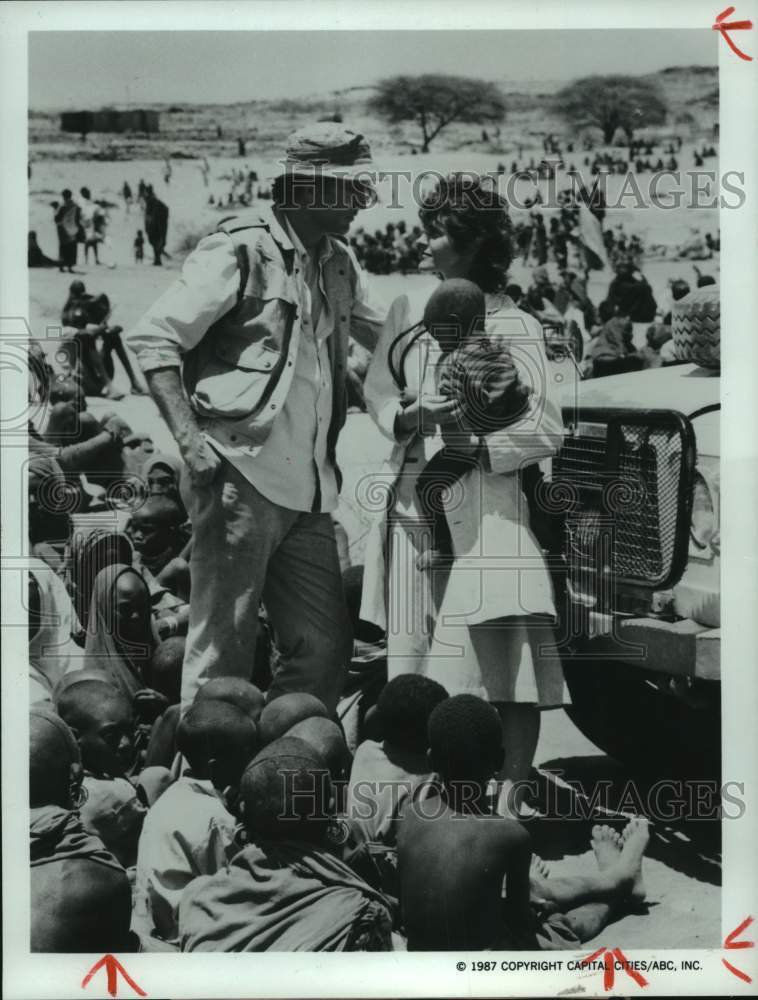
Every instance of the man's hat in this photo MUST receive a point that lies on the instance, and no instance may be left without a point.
(330, 149)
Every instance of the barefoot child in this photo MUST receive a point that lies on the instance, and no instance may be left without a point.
(385, 774)
(465, 880)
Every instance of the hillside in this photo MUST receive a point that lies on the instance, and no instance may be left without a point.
(191, 130)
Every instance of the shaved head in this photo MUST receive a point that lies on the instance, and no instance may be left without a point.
(280, 715)
(234, 690)
(53, 752)
(83, 705)
(220, 732)
(285, 792)
(327, 740)
(78, 677)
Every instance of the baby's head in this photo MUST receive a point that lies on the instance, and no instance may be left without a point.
(154, 527)
(465, 741)
(404, 707)
(235, 691)
(218, 740)
(284, 712)
(455, 310)
(102, 720)
(286, 793)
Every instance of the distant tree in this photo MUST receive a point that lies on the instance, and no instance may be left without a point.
(612, 102)
(434, 101)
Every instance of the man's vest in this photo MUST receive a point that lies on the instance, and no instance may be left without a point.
(238, 376)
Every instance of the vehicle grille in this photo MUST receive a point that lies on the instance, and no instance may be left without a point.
(626, 484)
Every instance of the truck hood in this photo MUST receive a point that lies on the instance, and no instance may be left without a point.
(685, 388)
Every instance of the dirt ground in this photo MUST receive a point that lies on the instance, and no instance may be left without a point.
(683, 867)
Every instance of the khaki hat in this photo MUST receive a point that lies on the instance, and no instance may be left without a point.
(330, 149)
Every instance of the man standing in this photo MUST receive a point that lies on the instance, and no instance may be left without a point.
(156, 224)
(260, 321)
(68, 222)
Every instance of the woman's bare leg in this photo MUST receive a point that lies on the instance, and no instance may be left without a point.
(521, 731)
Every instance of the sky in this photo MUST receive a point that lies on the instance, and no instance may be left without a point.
(90, 69)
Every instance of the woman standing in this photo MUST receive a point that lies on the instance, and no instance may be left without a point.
(482, 626)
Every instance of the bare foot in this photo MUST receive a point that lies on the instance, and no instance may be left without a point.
(606, 844)
(110, 392)
(538, 869)
(137, 390)
(634, 840)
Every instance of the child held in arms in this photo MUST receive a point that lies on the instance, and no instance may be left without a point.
(482, 377)
(468, 880)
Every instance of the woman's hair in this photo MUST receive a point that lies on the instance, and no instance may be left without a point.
(469, 209)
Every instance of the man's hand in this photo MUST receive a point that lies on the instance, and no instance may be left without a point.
(202, 462)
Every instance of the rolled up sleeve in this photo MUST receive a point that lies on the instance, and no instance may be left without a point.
(206, 289)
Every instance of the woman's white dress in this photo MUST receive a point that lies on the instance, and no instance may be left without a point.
(483, 626)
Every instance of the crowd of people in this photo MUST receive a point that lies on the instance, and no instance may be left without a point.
(240, 741)
(84, 222)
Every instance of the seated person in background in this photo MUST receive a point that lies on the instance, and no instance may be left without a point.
(399, 762)
(189, 832)
(35, 256)
(156, 531)
(80, 897)
(679, 289)
(629, 294)
(284, 712)
(102, 721)
(94, 311)
(611, 350)
(466, 875)
(657, 335)
(162, 473)
(286, 890)
(482, 378)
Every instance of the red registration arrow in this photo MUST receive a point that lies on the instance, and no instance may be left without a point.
(113, 967)
(731, 942)
(725, 27)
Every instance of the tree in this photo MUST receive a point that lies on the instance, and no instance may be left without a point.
(612, 102)
(434, 101)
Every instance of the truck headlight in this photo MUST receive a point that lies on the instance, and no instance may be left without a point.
(704, 526)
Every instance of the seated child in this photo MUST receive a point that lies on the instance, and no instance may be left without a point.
(166, 679)
(80, 897)
(385, 774)
(235, 690)
(481, 376)
(464, 871)
(284, 712)
(102, 721)
(189, 831)
(328, 740)
(286, 890)
(156, 531)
